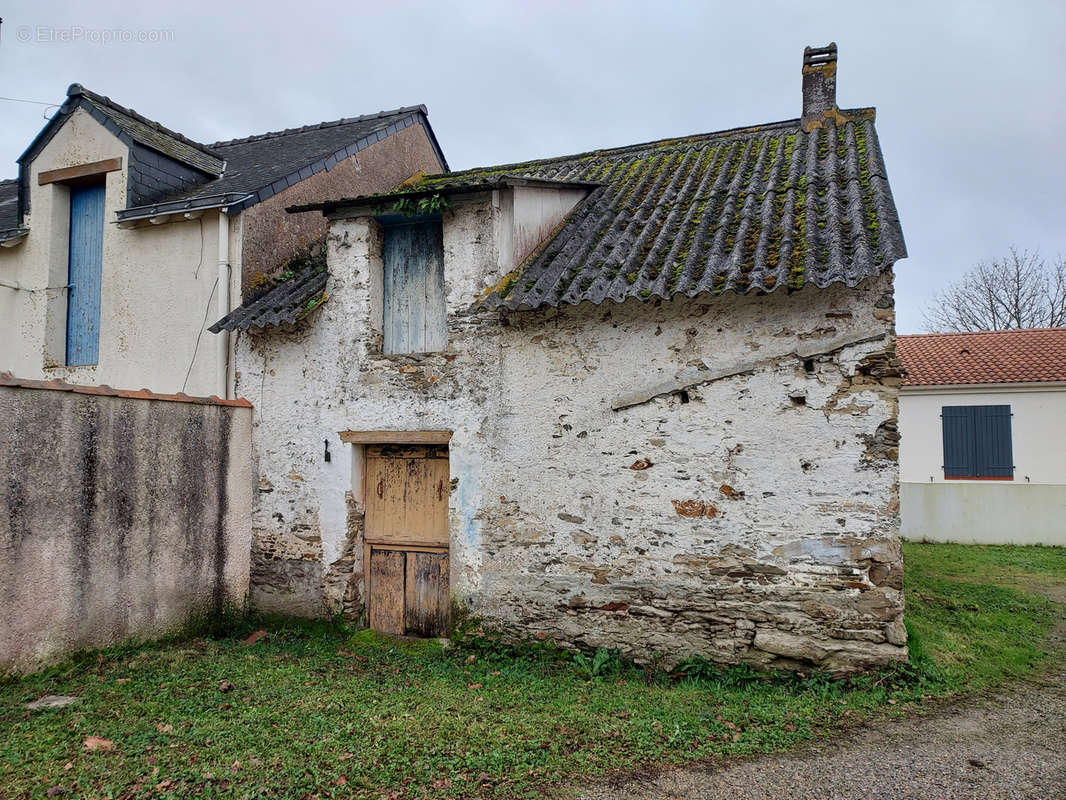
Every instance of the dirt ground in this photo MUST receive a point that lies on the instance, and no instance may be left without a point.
(1008, 746)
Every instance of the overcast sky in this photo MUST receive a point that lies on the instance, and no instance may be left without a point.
(970, 96)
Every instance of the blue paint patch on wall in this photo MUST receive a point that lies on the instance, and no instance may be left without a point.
(469, 498)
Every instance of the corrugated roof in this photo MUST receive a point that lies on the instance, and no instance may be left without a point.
(1015, 356)
(9, 214)
(748, 209)
(286, 303)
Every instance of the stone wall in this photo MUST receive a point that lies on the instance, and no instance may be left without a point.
(122, 516)
(713, 476)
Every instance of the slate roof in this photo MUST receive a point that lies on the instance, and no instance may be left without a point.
(233, 174)
(286, 303)
(258, 167)
(1015, 356)
(741, 210)
(150, 133)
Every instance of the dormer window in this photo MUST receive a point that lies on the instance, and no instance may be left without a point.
(414, 313)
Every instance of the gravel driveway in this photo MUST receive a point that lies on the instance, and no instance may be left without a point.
(1012, 745)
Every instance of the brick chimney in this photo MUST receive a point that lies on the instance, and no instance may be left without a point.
(819, 85)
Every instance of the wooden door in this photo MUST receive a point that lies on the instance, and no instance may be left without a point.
(407, 539)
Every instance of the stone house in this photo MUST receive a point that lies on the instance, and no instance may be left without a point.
(983, 425)
(121, 239)
(641, 398)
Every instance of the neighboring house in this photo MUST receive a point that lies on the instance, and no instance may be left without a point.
(983, 424)
(111, 258)
(641, 398)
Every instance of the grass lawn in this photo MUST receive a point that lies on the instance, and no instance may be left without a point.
(316, 710)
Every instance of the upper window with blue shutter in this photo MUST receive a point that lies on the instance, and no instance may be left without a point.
(414, 315)
(977, 442)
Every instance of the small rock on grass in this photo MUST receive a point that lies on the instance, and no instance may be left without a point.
(52, 701)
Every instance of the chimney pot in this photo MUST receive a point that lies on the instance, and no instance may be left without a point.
(819, 85)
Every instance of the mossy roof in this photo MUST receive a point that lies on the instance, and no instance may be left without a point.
(286, 303)
(742, 210)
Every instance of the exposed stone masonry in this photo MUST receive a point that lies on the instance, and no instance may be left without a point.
(743, 506)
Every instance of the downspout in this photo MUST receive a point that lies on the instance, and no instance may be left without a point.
(222, 380)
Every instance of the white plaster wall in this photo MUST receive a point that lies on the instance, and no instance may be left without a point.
(1038, 430)
(537, 211)
(1031, 509)
(156, 283)
(793, 554)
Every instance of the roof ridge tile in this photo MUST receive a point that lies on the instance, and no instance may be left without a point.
(76, 89)
(258, 137)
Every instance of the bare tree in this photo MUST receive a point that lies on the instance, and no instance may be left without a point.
(1021, 290)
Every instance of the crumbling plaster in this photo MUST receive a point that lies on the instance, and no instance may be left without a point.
(713, 475)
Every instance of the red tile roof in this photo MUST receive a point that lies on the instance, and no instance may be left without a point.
(57, 385)
(1018, 356)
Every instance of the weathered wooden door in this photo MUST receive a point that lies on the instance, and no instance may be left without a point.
(407, 539)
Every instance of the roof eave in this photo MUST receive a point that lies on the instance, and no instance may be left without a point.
(934, 388)
(224, 202)
(13, 236)
(372, 203)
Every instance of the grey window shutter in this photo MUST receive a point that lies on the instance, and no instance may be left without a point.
(959, 441)
(995, 455)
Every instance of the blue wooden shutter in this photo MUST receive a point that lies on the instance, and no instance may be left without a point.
(959, 456)
(414, 314)
(994, 453)
(85, 264)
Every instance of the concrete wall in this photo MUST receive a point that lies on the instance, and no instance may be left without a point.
(121, 517)
(1031, 509)
(765, 529)
(156, 283)
(975, 512)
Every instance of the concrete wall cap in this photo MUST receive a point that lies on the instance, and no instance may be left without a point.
(57, 385)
